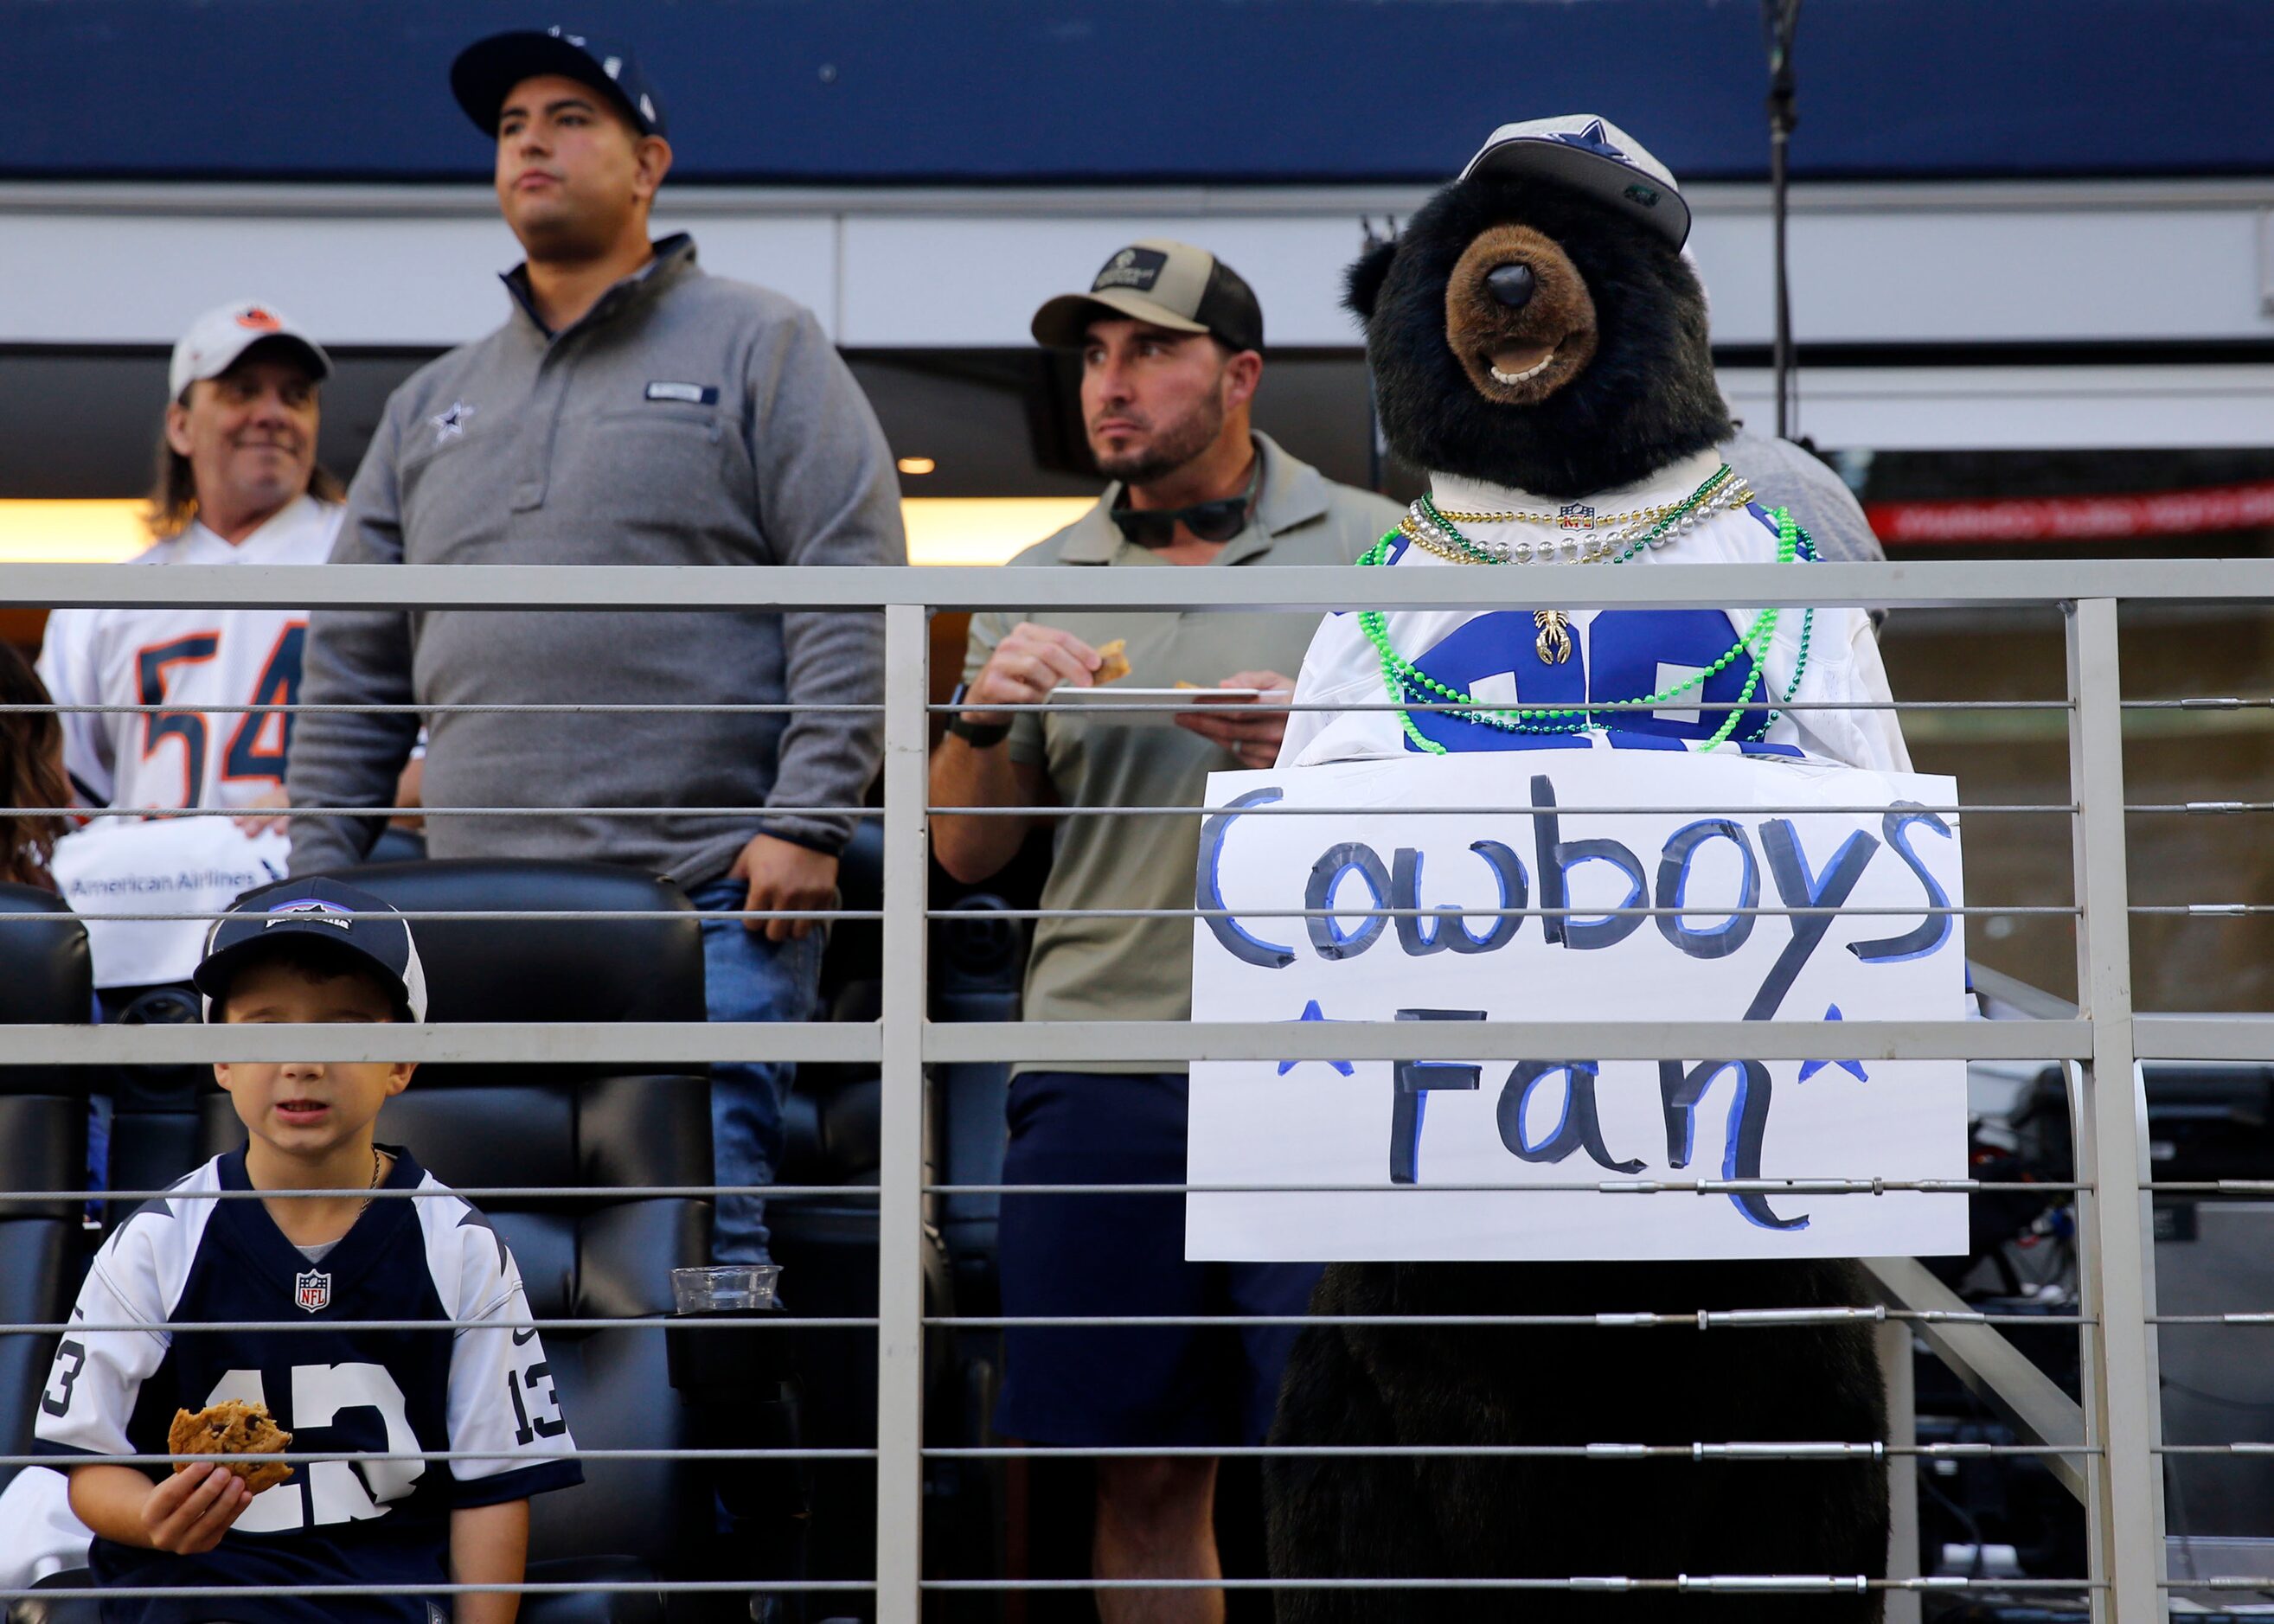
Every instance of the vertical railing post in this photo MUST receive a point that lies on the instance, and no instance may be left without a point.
(1895, 1361)
(900, 1175)
(2116, 1275)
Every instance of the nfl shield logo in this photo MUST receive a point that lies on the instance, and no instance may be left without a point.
(312, 1290)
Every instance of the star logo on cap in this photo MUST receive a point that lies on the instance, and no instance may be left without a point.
(451, 424)
(1593, 139)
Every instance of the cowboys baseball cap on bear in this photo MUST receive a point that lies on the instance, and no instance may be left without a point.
(1594, 155)
(1171, 284)
(322, 910)
(486, 72)
(216, 339)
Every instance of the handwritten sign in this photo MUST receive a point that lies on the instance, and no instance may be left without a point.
(1707, 836)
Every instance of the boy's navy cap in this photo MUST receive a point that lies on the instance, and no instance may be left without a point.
(486, 72)
(1594, 155)
(324, 909)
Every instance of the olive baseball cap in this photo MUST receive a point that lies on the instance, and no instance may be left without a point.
(1171, 284)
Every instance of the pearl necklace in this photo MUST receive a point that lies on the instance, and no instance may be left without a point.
(1401, 678)
(1620, 535)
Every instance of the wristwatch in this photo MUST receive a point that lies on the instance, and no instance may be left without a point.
(978, 735)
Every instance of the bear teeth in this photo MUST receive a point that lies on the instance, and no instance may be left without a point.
(1523, 376)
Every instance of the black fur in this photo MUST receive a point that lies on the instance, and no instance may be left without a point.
(1562, 1518)
(1647, 399)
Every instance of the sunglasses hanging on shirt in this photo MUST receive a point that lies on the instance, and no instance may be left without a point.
(1217, 521)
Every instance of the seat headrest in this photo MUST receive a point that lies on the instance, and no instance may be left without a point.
(546, 970)
(46, 980)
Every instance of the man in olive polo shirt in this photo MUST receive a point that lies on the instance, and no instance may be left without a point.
(1168, 336)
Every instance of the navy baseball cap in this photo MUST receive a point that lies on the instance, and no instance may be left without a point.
(325, 910)
(486, 72)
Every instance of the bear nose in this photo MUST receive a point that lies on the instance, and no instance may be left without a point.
(1513, 285)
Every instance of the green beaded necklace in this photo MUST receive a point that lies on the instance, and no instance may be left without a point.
(1400, 677)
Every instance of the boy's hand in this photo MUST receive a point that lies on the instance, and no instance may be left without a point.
(189, 1512)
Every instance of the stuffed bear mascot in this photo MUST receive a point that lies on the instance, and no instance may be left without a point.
(1539, 347)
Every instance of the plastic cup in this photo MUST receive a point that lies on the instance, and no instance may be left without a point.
(725, 1289)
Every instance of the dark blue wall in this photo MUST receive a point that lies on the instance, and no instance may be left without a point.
(1035, 90)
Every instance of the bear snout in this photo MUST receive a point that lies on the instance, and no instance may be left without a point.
(1518, 316)
(1512, 284)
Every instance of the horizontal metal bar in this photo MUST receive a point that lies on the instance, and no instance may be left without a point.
(596, 1043)
(519, 707)
(647, 1587)
(2253, 1318)
(1192, 700)
(162, 813)
(2201, 1037)
(1699, 1320)
(1576, 911)
(670, 1042)
(529, 915)
(2210, 1186)
(1798, 1583)
(2236, 1449)
(498, 1192)
(707, 1322)
(1865, 1451)
(1576, 1186)
(1284, 810)
(296, 1457)
(1988, 1365)
(2035, 583)
(1179, 1042)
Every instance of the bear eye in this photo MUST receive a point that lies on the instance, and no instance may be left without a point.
(1513, 285)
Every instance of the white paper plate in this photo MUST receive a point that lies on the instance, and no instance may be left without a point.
(1113, 696)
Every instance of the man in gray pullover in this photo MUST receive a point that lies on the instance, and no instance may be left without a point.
(631, 410)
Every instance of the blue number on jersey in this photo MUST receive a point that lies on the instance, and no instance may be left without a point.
(1621, 654)
(187, 726)
(279, 685)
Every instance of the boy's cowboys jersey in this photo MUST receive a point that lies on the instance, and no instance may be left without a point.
(184, 659)
(188, 1259)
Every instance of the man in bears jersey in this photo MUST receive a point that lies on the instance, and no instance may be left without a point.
(317, 1268)
(237, 483)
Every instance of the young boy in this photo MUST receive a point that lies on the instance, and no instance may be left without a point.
(309, 951)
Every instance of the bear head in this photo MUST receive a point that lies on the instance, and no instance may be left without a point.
(1526, 335)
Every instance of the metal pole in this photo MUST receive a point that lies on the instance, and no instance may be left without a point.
(899, 1177)
(1894, 1341)
(2122, 1403)
(1780, 18)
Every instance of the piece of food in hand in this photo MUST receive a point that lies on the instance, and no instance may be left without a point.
(233, 1427)
(1112, 661)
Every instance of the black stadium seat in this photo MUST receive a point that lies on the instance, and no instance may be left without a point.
(590, 1128)
(45, 980)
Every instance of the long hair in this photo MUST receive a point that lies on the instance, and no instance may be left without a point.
(31, 775)
(174, 492)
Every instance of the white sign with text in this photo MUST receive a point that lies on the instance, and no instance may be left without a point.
(1720, 833)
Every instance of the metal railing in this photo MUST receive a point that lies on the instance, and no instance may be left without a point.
(2107, 1450)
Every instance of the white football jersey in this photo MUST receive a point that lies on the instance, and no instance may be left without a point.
(479, 1382)
(186, 659)
(1504, 657)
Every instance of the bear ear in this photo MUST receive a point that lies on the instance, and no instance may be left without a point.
(1362, 283)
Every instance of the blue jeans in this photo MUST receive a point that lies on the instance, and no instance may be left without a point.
(746, 977)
